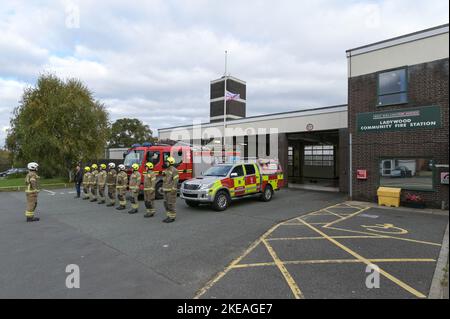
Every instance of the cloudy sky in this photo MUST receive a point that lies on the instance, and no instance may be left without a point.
(154, 59)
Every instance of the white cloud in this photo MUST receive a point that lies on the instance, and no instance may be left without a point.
(153, 60)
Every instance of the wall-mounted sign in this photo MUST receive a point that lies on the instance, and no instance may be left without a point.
(309, 127)
(407, 119)
(361, 174)
(444, 178)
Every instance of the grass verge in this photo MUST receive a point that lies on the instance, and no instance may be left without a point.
(18, 183)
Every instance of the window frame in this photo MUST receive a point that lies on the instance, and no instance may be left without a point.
(318, 159)
(406, 90)
(413, 189)
(243, 171)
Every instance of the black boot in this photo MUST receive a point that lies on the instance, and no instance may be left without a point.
(169, 220)
(101, 202)
(32, 219)
(133, 211)
(110, 205)
(93, 200)
(148, 215)
(121, 207)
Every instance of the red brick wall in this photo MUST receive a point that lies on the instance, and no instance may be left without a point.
(427, 85)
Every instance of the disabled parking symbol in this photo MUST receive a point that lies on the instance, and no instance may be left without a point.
(385, 229)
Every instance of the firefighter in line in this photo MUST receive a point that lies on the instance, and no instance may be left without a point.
(86, 178)
(149, 190)
(135, 182)
(121, 187)
(93, 182)
(31, 191)
(101, 180)
(169, 187)
(111, 183)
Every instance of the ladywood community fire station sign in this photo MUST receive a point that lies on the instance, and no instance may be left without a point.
(424, 117)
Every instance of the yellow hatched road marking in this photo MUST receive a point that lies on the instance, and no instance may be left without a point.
(367, 262)
(313, 238)
(287, 276)
(221, 274)
(336, 261)
(384, 236)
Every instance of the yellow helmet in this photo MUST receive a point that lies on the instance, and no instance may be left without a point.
(103, 166)
(135, 166)
(94, 166)
(149, 165)
(170, 160)
(87, 168)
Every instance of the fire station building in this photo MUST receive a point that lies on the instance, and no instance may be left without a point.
(393, 131)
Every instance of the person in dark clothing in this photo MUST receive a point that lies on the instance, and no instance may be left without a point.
(78, 179)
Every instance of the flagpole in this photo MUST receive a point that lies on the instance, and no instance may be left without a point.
(225, 104)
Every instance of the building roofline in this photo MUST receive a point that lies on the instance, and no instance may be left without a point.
(443, 28)
(251, 118)
(228, 77)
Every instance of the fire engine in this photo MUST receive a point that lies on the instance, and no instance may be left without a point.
(190, 161)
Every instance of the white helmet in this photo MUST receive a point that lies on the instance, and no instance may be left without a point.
(33, 166)
(112, 165)
(121, 167)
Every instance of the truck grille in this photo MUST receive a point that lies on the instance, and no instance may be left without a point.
(191, 186)
(190, 195)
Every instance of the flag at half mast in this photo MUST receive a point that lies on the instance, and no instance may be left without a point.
(231, 96)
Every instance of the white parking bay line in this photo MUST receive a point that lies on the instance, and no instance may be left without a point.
(50, 192)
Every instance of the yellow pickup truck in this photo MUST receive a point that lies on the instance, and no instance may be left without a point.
(222, 183)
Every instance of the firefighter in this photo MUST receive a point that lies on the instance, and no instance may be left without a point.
(111, 183)
(121, 187)
(86, 178)
(170, 185)
(94, 182)
(101, 180)
(149, 190)
(135, 181)
(31, 191)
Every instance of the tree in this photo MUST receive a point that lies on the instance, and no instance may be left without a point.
(57, 123)
(126, 132)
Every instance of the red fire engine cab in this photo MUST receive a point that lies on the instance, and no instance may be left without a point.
(189, 161)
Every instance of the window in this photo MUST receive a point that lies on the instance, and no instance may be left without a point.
(290, 156)
(250, 169)
(319, 155)
(407, 173)
(221, 170)
(153, 157)
(392, 87)
(134, 157)
(239, 170)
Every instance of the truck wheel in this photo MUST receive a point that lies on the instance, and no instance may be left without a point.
(159, 194)
(267, 194)
(192, 203)
(221, 201)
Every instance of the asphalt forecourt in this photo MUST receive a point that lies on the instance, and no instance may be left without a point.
(341, 251)
(129, 256)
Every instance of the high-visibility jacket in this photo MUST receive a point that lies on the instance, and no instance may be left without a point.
(149, 181)
(121, 180)
(31, 181)
(111, 177)
(135, 180)
(94, 177)
(170, 179)
(101, 178)
(86, 178)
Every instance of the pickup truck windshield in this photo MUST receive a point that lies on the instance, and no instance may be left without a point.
(221, 170)
(133, 157)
